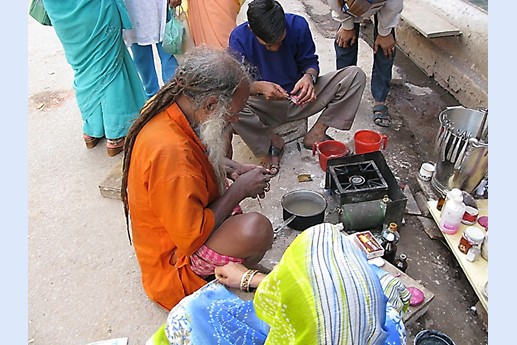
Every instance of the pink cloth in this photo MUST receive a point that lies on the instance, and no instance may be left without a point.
(204, 261)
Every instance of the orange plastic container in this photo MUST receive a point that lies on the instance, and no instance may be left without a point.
(329, 149)
(369, 141)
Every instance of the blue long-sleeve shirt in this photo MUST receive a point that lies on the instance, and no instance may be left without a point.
(286, 66)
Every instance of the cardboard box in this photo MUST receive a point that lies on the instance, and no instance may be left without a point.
(368, 244)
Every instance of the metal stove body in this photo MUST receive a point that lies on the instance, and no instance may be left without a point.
(366, 190)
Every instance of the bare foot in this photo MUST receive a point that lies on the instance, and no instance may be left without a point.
(315, 135)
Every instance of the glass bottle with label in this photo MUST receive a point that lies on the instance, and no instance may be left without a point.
(401, 263)
(393, 229)
(441, 202)
(390, 248)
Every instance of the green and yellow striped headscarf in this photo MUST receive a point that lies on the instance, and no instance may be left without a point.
(322, 292)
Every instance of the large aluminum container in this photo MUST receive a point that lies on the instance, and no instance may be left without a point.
(461, 149)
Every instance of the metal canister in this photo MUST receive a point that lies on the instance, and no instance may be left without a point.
(472, 236)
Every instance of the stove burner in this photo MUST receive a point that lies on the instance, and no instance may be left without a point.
(356, 180)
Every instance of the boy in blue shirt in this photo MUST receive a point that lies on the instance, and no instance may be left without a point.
(287, 87)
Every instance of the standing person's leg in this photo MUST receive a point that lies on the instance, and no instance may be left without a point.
(380, 83)
(168, 62)
(144, 62)
(347, 56)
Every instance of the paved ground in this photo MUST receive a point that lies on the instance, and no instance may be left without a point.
(84, 280)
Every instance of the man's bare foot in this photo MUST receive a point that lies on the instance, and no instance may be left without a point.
(315, 135)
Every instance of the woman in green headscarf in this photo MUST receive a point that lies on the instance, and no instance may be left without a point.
(323, 291)
(107, 86)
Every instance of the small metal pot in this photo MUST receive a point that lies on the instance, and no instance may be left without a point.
(307, 206)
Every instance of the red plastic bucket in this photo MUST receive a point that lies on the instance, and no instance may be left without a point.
(329, 149)
(369, 141)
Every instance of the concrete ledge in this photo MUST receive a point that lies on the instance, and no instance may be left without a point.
(459, 64)
(111, 186)
(426, 21)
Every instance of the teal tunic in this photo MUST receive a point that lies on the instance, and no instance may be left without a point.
(107, 86)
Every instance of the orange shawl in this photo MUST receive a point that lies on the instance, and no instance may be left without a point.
(170, 184)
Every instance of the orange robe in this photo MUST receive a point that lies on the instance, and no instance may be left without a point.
(211, 22)
(170, 184)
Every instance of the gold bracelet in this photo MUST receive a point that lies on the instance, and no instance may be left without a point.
(246, 280)
(252, 274)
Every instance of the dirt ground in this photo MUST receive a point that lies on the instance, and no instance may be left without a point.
(84, 280)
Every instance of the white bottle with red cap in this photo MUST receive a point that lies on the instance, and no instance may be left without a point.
(452, 212)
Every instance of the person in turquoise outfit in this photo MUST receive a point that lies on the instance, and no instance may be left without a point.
(107, 86)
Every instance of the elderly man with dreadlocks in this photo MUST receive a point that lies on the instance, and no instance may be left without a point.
(175, 188)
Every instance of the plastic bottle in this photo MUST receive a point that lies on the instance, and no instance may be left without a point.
(450, 194)
(401, 263)
(390, 248)
(452, 213)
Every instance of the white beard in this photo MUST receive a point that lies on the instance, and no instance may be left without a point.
(210, 133)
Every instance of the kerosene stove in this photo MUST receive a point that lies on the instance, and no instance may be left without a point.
(366, 190)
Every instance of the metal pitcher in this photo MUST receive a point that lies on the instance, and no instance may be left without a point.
(461, 149)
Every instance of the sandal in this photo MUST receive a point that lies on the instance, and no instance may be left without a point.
(276, 152)
(90, 142)
(115, 146)
(381, 116)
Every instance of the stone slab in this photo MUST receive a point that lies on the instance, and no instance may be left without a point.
(421, 201)
(110, 187)
(411, 204)
(430, 228)
(427, 189)
(426, 21)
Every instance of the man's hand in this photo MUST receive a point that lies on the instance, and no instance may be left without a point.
(271, 91)
(345, 38)
(234, 169)
(303, 90)
(254, 182)
(386, 43)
